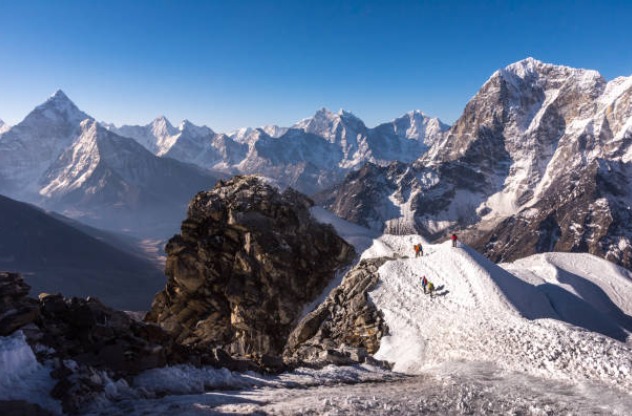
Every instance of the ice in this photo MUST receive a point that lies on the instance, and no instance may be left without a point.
(22, 377)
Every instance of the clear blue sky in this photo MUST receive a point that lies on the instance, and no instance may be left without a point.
(230, 64)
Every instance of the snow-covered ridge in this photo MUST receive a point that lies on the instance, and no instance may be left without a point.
(575, 326)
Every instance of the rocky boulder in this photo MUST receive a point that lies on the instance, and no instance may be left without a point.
(248, 260)
(89, 344)
(346, 327)
(16, 310)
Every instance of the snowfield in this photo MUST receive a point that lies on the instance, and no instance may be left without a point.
(545, 335)
(483, 313)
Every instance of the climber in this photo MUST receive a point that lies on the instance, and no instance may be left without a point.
(454, 240)
(424, 283)
(416, 247)
(431, 289)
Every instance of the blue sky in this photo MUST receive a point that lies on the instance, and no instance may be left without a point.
(230, 64)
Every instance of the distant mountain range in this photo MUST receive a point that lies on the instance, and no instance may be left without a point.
(539, 161)
(61, 159)
(313, 155)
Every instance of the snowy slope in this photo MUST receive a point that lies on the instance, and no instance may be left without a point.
(483, 313)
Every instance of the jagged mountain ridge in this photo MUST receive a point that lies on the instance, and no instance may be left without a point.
(538, 161)
(59, 158)
(312, 155)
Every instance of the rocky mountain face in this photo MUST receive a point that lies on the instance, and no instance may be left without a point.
(346, 328)
(61, 159)
(248, 260)
(312, 155)
(538, 161)
(57, 257)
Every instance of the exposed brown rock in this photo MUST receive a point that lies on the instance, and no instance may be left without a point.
(346, 327)
(246, 262)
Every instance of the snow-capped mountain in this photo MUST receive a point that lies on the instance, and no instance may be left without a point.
(403, 139)
(58, 157)
(244, 134)
(157, 136)
(30, 147)
(539, 161)
(3, 126)
(312, 155)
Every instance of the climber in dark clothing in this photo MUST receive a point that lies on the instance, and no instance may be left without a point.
(424, 283)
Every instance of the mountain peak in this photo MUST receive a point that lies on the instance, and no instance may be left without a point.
(191, 128)
(58, 108)
(161, 119)
(324, 112)
(524, 67)
(531, 66)
(347, 114)
(59, 95)
(60, 100)
(414, 113)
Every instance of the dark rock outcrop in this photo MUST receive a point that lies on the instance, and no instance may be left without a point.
(86, 342)
(22, 408)
(16, 310)
(346, 327)
(248, 259)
